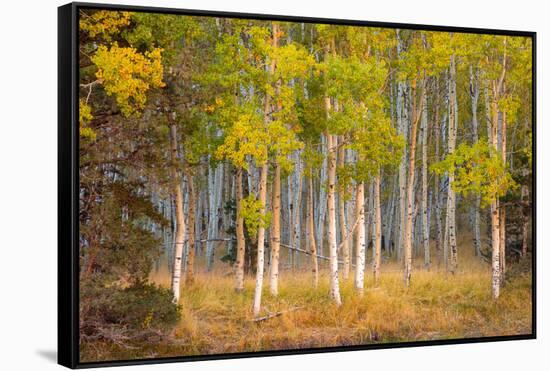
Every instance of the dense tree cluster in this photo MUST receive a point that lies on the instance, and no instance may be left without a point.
(198, 133)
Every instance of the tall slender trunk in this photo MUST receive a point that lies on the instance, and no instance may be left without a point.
(297, 210)
(342, 216)
(180, 220)
(290, 221)
(424, 211)
(378, 224)
(261, 240)
(215, 179)
(311, 230)
(495, 217)
(321, 216)
(451, 195)
(502, 211)
(276, 232)
(263, 191)
(410, 185)
(390, 216)
(495, 261)
(446, 235)
(437, 185)
(402, 174)
(190, 258)
(360, 239)
(239, 263)
(502, 243)
(333, 253)
(401, 113)
(369, 221)
(474, 95)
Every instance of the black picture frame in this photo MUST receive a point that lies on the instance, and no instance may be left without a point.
(68, 185)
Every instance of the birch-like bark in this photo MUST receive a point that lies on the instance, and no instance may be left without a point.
(215, 179)
(401, 113)
(437, 186)
(276, 233)
(311, 230)
(410, 185)
(360, 239)
(369, 221)
(261, 240)
(502, 243)
(390, 213)
(297, 210)
(321, 216)
(290, 228)
(474, 96)
(263, 194)
(424, 172)
(378, 235)
(342, 216)
(451, 195)
(495, 261)
(239, 263)
(495, 217)
(180, 220)
(502, 211)
(333, 253)
(402, 173)
(190, 257)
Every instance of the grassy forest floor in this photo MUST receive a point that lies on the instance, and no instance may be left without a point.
(215, 319)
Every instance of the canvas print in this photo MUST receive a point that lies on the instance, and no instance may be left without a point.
(251, 185)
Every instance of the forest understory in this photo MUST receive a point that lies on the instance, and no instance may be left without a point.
(438, 305)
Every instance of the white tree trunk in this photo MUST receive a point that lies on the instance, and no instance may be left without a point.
(311, 230)
(239, 263)
(402, 120)
(333, 253)
(502, 211)
(190, 258)
(410, 188)
(321, 216)
(378, 224)
(290, 221)
(451, 195)
(390, 216)
(180, 220)
(276, 233)
(342, 217)
(495, 217)
(495, 261)
(261, 240)
(402, 174)
(474, 95)
(360, 239)
(215, 178)
(297, 209)
(424, 211)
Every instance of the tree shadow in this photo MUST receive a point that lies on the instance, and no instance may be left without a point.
(50, 355)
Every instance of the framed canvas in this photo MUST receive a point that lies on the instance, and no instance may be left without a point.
(242, 185)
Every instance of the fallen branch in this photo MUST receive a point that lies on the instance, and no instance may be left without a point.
(309, 253)
(277, 314)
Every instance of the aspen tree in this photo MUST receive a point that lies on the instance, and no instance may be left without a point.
(190, 253)
(180, 220)
(451, 197)
(360, 239)
(424, 173)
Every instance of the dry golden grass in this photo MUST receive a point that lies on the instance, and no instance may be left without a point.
(215, 319)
